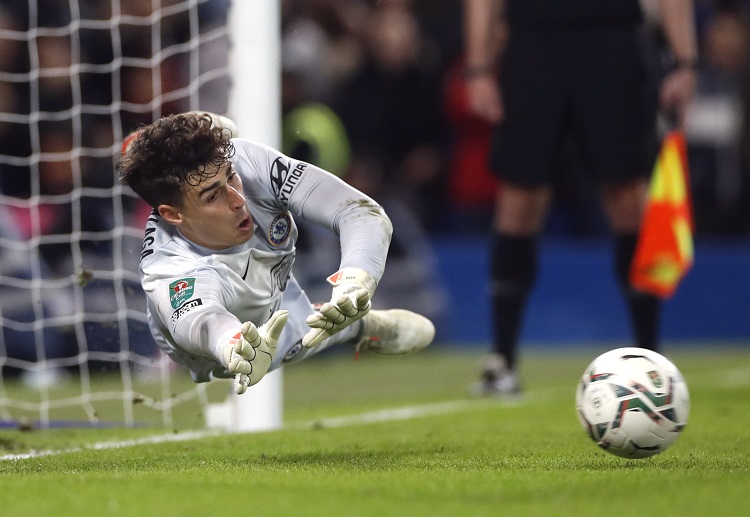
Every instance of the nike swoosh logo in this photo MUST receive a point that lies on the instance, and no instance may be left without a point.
(247, 268)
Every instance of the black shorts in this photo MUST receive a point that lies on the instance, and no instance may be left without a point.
(592, 84)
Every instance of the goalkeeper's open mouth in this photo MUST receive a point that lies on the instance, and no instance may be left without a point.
(245, 224)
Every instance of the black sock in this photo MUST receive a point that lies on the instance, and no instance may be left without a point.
(513, 263)
(644, 308)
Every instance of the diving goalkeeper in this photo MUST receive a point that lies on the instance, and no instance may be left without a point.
(217, 257)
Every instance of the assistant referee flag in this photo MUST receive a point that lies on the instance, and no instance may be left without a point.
(664, 252)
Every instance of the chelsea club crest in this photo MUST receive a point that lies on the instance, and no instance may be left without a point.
(280, 228)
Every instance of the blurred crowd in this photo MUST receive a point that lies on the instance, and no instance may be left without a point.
(372, 90)
(390, 70)
(375, 84)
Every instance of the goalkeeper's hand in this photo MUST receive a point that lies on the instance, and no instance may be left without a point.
(350, 301)
(248, 354)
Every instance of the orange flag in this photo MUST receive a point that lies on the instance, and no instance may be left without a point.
(664, 252)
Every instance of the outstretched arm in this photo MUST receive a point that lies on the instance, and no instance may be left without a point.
(365, 234)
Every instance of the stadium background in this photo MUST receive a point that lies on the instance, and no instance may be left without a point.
(369, 437)
(372, 91)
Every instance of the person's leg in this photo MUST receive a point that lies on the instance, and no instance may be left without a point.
(624, 205)
(616, 110)
(513, 261)
(525, 145)
(513, 266)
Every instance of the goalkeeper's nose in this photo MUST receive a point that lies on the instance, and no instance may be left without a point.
(236, 198)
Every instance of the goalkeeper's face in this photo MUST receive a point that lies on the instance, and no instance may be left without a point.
(214, 212)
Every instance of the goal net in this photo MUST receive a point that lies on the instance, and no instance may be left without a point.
(75, 77)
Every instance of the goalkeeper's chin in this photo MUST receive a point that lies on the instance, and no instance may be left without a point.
(239, 238)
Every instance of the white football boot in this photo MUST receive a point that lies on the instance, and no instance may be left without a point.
(395, 332)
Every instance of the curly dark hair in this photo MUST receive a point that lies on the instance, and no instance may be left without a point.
(172, 152)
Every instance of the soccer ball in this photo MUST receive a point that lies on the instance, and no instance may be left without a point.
(633, 402)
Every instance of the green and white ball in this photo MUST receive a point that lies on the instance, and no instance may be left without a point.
(633, 402)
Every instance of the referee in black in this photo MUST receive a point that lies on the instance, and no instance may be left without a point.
(547, 71)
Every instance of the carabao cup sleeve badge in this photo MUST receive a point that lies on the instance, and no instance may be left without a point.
(181, 290)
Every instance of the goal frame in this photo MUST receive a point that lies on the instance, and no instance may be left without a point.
(252, 98)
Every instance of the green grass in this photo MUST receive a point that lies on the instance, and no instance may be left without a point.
(486, 458)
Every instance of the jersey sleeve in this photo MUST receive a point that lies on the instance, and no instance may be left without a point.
(192, 311)
(313, 194)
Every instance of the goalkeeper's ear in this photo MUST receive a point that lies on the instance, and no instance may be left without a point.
(170, 214)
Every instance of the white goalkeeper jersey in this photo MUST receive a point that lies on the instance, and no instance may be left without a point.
(197, 297)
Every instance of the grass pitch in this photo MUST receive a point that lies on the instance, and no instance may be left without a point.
(400, 436)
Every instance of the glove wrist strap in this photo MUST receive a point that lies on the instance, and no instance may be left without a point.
(221, 345)
(347, 275)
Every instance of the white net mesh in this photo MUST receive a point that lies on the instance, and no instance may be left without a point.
(75, 76)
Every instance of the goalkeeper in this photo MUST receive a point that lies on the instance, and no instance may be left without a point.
(218, 252)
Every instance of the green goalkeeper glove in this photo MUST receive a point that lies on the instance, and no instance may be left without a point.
(350, 300)
(248, 354)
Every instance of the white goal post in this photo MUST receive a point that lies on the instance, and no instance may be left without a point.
(255, 106)
(75, 77)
